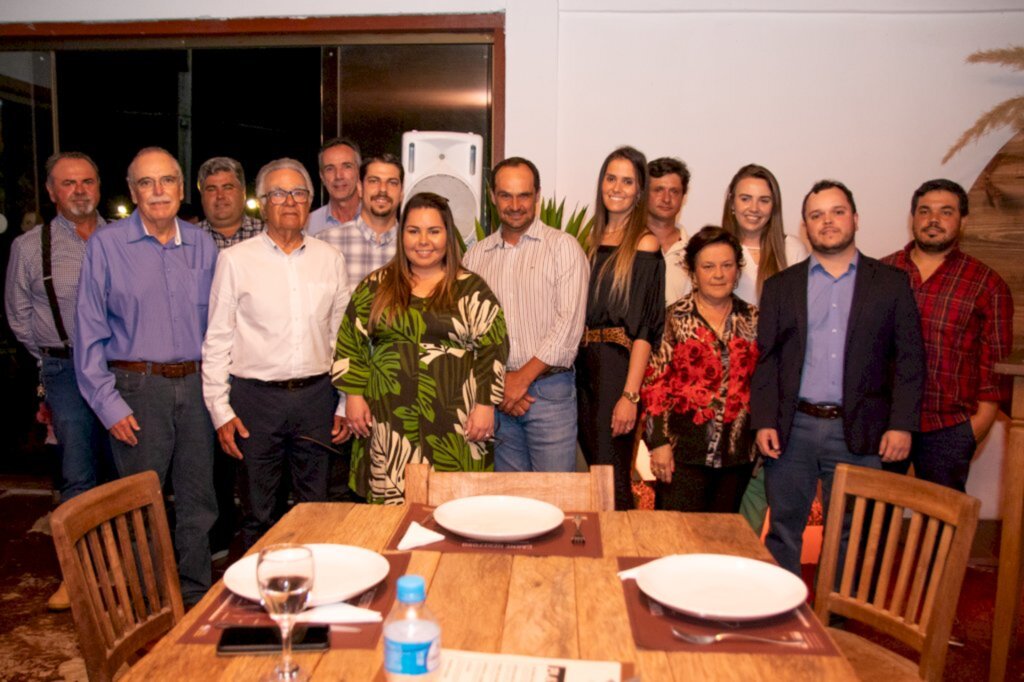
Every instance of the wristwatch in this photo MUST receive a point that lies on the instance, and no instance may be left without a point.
(631, 397)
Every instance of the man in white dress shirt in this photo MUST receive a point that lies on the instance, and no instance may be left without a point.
(666, 193)
(275, 307)
(539, 275)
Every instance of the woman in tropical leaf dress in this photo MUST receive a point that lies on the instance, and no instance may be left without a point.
(421, 356)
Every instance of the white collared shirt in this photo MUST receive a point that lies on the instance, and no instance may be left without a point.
(541, 283)
(273, 316)
(677, 277)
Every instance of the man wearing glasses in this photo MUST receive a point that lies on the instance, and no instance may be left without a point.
(141, 316)
(275, 308)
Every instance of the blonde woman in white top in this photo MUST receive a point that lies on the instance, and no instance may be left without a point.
(753, 213)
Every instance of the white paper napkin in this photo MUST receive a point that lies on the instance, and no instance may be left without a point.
(417, 536)
(329, 614)
(631, 573)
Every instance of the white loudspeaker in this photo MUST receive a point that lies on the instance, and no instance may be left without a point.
(449, 164)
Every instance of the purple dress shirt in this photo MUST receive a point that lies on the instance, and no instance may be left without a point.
(139, 299)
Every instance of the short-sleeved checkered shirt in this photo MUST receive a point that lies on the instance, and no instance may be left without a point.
(364, 250)
(250, 228)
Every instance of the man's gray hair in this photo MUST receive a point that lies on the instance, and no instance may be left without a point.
(60, 156)
(221, 164)
(153, 150)
(280, 164)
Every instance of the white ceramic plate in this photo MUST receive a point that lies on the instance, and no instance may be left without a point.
(339, 572)
(498, 518)
(721, 587)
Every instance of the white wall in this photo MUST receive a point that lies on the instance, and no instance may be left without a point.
(871, 92)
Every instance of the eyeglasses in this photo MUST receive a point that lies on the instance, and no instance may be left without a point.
(166, 181)
(279, 196)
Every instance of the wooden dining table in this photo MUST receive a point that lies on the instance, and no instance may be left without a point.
(549, 606)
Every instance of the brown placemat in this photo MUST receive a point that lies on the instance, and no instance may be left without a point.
(556, 543)
(652, 623)
(230, 609)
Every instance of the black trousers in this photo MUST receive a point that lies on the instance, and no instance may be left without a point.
(600, 378)
(276, 418)
(698, 488)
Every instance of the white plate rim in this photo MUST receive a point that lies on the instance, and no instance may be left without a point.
(786, 600)
(240, 577)
(444, 511)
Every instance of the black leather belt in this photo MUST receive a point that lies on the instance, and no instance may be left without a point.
(62, 352)
(820, 410)
(167, 370)
(288, 384)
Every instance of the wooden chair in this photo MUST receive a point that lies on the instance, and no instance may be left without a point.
(588, 491)
(909, 593)
(118, 563)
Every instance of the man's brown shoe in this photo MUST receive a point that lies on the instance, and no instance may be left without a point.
(59, 600)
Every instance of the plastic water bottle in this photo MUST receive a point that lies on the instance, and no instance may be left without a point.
(412, 636)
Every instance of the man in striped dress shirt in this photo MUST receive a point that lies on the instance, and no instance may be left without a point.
(539, 275)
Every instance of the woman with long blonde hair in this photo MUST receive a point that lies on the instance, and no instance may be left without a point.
(753, 214)
(625, 315)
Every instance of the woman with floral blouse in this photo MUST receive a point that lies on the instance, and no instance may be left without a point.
(421, 356)
(697, 387)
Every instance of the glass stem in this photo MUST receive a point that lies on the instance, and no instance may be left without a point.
(287, 667)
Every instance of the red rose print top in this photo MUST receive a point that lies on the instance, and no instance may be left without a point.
(696, 391)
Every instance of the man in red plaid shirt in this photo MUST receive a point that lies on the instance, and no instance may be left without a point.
(967, 319)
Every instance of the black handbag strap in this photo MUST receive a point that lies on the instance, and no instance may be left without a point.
(51, 293)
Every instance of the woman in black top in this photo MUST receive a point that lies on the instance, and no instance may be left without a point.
(625, 314)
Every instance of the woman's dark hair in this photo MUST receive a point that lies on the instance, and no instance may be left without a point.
(708, 235)
(396, 277)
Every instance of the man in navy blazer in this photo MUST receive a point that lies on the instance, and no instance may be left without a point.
(840, 369)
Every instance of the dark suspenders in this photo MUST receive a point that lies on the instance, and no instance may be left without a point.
(51, 293)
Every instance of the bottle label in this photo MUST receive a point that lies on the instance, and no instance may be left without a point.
(411, 658)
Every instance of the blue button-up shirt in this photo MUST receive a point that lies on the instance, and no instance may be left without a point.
(322, 218)
(139, 300)
(828, 313)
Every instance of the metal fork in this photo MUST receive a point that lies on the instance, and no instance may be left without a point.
(735, 636)
(577, 538)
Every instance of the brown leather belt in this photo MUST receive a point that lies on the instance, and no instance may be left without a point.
(288, 384)
(62, 352)
(615, 335)
(821, 411)
(167, 370)
(552, 371)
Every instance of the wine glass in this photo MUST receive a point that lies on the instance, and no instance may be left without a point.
(284, 574)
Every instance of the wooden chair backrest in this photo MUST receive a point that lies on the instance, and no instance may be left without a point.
(908, 592)
(587, 491)
(115, 552)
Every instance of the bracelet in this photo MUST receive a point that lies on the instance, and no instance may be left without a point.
(631, 396)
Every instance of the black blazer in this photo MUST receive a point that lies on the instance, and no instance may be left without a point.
(884, 369)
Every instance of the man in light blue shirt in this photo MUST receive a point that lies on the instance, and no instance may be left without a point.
(340, 162)
(142, 313)
(840, 368)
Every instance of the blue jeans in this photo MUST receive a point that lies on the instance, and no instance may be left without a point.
(942, 456)
(543, 439)
(176, 439)
(814, 449)
(85, 447)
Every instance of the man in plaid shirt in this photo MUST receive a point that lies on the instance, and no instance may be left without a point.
(222, 189)
(368, 241)
(967, 318)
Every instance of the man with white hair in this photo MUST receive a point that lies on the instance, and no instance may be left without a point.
(276, 304)
(142, 305)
